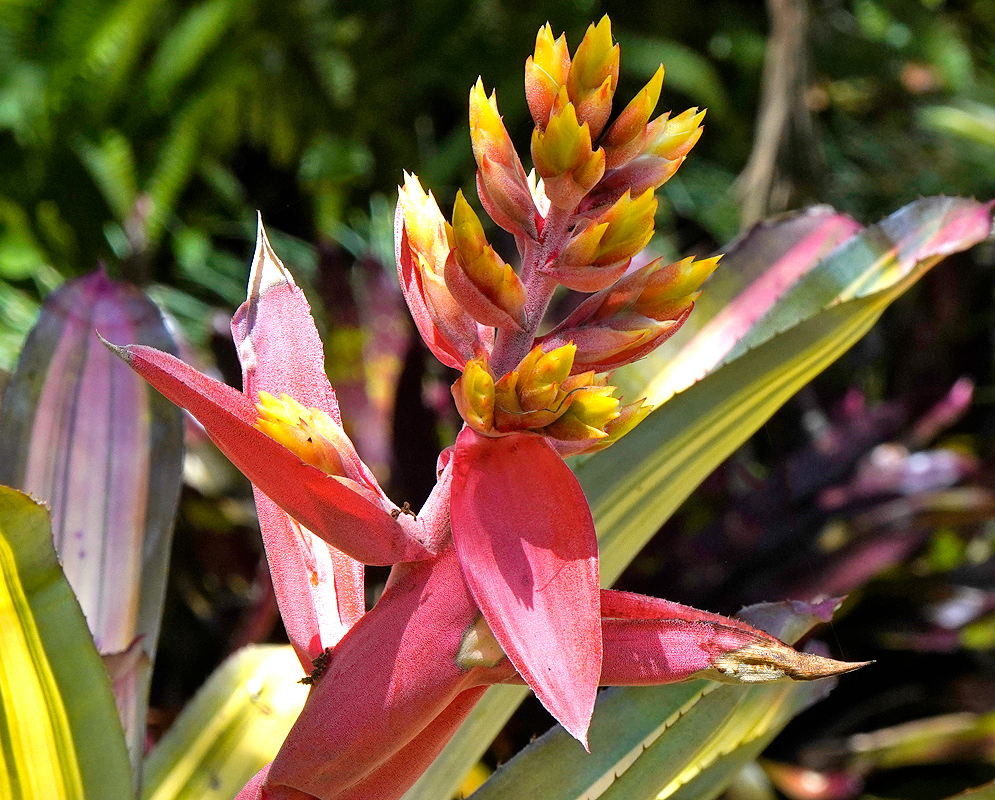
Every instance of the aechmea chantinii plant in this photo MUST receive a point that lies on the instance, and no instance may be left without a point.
(495, 580)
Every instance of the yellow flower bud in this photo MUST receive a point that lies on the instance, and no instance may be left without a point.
(564, 159)
(308, 432)
(486, 287)
(673, 138)
(625, 138)
(545, 73)
(593, 75)
(487, 132)
(630, 227)
(592, 409)
(671, 289)
(628, 418)
(474, 395)
(540, 375)
(424, 223)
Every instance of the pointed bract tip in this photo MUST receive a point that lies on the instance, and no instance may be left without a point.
(267, 270)
(766, 661)
(121, 351)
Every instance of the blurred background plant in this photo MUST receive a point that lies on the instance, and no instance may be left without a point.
(145, 134)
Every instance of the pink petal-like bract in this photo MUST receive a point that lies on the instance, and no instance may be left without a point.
(319, 589)
(340, 511)
(399, 773)
(389, 677)
(525, 538)
(649, 641)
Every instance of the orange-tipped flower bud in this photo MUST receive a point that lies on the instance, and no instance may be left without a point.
(626, 137)
(423, 222)
(564, 158)
(628, 417)
(574, 411)
(479, 279)
(540, 375)
(624, 322)
(673, 138)
(665, 144)
(593, 76)
(583, 248)
(545, 73)
(630, 227)
(673, 288)
(487, 132)
(592, 409)
(599, 254)
(422, 249)
(501, 180)
(474, 395)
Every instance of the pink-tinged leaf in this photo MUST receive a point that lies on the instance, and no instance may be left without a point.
(277, 342)
(316, 586)
(319, 589)
(390, 676)
(83, 433)
(131, 675)
(526, 541)
(79, 430)
(885, 256)
(769, 259)
(342, 512)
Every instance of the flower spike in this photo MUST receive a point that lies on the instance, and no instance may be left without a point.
(496, 578)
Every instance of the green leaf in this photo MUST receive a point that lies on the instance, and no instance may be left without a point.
(183, 50)
(111, 164)
(231, 729)
(685, 740)
(973, 122)
(635, 485)
(59, 733)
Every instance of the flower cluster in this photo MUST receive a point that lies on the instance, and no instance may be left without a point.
(578, 219)
(495, 580)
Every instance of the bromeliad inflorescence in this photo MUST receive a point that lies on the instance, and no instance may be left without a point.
(495, 580)
(578, 219)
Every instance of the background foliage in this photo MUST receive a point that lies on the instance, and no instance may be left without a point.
(146, 134)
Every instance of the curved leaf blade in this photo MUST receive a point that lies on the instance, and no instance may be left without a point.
(58, 720)
(231, 729)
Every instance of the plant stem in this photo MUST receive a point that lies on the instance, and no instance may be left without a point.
(511, 346)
